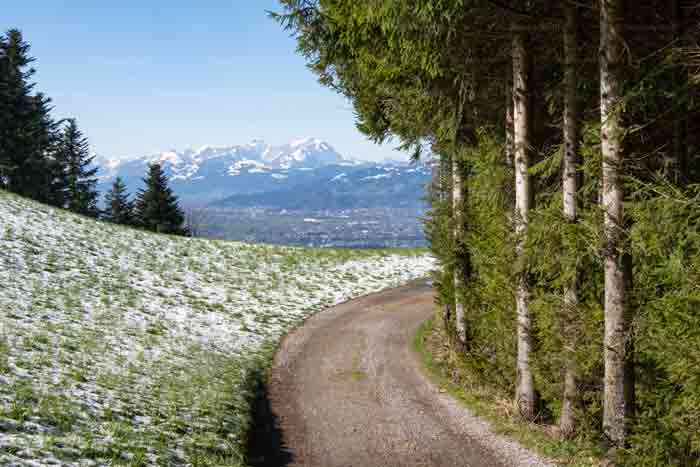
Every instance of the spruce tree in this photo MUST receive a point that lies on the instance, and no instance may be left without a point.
(75, 184)
(27, 131)
(157, 208)
(6, 164)
(118, 208)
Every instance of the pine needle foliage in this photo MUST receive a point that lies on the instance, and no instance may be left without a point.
(157, 207)
(119, 209)
(27, 131)
(75, 184)
(39, 158)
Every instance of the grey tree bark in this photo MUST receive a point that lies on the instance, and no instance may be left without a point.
(442, 183)
(525, 386)
(457, 206)
(509, 116)
(567, 419)
(618, 403)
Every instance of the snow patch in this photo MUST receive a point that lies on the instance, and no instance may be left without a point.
(116, 338)
(377, 177)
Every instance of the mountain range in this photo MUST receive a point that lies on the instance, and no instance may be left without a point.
(303, 174)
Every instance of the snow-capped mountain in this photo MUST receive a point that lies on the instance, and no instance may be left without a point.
(212, 174)
(304, 153)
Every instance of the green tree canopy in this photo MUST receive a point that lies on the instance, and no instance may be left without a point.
(75, 185)
(157, 208)
(118, 208)
(27, 131)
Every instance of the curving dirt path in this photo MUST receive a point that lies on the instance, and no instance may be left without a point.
(347, 390)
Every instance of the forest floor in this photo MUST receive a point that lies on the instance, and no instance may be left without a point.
(347, 389)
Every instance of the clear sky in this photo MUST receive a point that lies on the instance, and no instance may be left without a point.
(150, 75)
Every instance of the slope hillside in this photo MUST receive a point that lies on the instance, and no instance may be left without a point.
(120, 347)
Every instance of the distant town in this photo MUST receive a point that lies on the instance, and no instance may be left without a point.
(352, 228)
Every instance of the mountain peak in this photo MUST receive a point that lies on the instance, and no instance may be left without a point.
(303, 141)
(300, 173)
(306, 153)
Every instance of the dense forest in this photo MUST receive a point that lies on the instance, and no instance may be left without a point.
(565, 207)
(50, 160)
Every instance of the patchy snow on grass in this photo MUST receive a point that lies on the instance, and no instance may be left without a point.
(121, 347)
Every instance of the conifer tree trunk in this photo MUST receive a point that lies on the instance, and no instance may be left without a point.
(567, 420)
(457, 206)
(525, 387)
(509, 116)
(617, 404)
(446, 178)
(446, 196)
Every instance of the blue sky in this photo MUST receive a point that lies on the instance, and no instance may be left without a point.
(151, 75)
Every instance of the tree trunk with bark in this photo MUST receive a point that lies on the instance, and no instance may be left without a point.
(567, 419)
(617, 403)
(457, 207)
(509, 117)
(525, 386)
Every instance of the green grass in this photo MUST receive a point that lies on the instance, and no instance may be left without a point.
(490, 405)
(131, 348)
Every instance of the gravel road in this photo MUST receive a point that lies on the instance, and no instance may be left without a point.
(347, 391)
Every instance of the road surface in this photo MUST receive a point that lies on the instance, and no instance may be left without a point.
(347, 390)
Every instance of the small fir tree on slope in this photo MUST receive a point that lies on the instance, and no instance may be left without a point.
(157, 208)
(76, 181)
(118, 208)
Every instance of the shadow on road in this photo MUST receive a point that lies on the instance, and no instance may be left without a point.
(265, 445)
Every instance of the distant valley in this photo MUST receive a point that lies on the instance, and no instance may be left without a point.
(303, 193)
